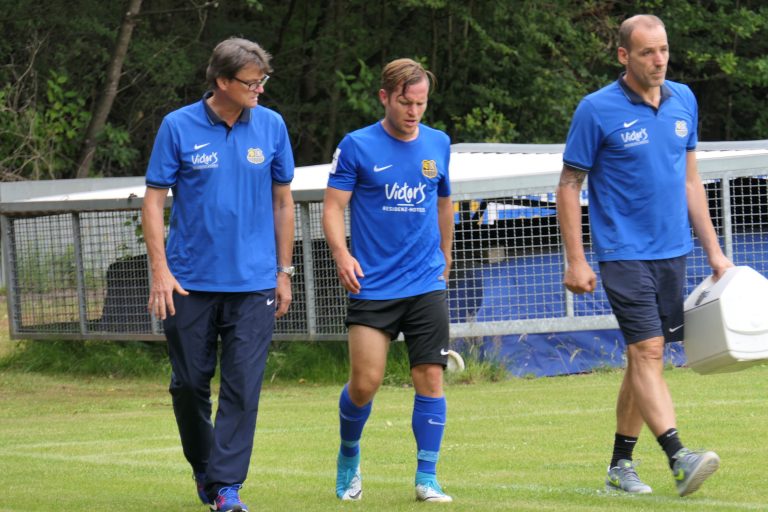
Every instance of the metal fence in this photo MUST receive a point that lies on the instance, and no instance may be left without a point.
(76, 266)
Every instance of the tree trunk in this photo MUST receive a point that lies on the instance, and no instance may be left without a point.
(335, 94)
(107, 96)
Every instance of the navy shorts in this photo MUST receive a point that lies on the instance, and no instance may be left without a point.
(646, 297)
(423, 320)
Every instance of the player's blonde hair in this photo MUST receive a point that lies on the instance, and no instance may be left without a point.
(403, 73)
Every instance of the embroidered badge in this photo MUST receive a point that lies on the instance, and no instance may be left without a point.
(681, 128)
(255, 155)
(429, 168)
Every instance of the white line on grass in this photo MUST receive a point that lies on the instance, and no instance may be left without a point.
(291, 474)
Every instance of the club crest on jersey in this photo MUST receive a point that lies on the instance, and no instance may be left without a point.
(255, 155)
(681, 128)
(429, 168)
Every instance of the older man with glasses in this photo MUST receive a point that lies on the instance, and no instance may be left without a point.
(225, 270)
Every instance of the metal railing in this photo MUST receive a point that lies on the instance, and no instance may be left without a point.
(76, 265)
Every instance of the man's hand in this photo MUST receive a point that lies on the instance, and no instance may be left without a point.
(448, 264)
(283, 294)
(161, 294)
(719, 265)
(349, 270)
(580, 278)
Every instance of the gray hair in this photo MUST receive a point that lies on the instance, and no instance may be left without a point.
(232, 55)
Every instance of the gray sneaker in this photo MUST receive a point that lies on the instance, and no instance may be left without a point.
(690, 469)
(623, 477)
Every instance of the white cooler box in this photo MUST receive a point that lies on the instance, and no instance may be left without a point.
(726, 323)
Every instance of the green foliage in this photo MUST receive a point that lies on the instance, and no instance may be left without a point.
(324, 362)
(719, 48)
(89, 359)
(64, 117)
(63, 123)
(359, 91)
(507, 71)
(43, 271)
(42, 138)
(114, 152)
(484, 124)
(317, 362)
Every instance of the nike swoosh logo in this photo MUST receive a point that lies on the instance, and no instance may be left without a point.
(627, 125)
(680, 476)
(433, 422)
(444, 352)
(376, 168)
(270, 302)
(201, 146)
(674, 329)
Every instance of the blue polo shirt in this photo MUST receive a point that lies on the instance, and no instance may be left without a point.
(395, 234)
(635, 156)
(222, 231)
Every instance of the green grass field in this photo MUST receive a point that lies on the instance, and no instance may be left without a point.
(77, 443)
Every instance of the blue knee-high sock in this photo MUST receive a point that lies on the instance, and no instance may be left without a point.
(351, 421)
(428, 424)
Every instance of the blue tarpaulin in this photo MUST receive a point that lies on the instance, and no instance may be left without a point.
(530, 287)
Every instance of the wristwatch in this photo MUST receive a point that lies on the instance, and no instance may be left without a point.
(287, 270)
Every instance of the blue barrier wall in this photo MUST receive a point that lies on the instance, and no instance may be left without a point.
(503, 291)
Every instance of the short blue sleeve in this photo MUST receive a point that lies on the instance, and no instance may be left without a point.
(343, 174)
(693, 133)
(584, 138)
(164, 163)
(282, 164)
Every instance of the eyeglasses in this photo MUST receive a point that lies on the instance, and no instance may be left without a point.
(253, 86)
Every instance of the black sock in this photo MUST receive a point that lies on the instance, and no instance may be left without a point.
(670, 443)
(622, 448)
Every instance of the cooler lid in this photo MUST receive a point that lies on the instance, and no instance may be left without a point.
(737, 281)
(744, 302)
(709, 290)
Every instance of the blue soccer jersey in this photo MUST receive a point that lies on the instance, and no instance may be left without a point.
(393, 211)
(222, 234)
(635, 156)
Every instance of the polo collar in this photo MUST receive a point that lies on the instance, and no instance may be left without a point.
(635, 98)
(213, 117)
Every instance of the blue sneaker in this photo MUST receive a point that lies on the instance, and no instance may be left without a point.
(349, 483)
(200, 482)
(427, 489)
(228, 500)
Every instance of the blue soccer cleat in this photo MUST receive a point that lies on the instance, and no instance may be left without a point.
(200, 483)
(427, 489)
(228, 500)
(349, 483)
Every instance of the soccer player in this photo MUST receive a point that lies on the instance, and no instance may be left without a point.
(636, 140)
(225, 271)
(394, 176)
